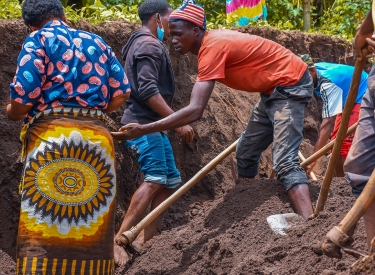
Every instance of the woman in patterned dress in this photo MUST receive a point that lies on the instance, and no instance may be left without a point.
(65, 81)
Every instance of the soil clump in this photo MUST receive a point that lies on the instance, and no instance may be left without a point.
(219, 226)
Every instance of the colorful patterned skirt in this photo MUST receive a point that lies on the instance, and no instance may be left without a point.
(241, 12)
(67, 195)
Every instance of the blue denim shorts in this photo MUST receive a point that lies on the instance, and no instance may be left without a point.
(156, 160)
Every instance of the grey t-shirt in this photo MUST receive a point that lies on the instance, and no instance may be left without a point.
(149, 70)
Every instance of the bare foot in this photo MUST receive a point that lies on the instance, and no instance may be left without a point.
(121, 255)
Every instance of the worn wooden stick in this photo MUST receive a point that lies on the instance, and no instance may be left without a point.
(302, 158)
(322, 150)
(273, 175)
(129, 236)
(350, 100)
(339, 234)
(327, 147)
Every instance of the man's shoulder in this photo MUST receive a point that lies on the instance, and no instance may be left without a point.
(148, 45)
(220, 39)
(229, 36)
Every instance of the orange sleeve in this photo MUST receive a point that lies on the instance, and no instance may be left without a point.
(211, 64)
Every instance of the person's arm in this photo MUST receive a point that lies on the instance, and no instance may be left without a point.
(158, 104)
(365, 31)
(325, 131)
(16, 111)
(116, 102)
(148, 59)
(194, 111)
(332, 105)
(26, 89)
(119, 87)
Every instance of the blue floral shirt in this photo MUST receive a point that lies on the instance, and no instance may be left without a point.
(59, 66)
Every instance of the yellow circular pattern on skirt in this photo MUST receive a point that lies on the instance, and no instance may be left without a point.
(68, 197)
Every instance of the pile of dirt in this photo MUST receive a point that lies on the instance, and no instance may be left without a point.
(230, 235)
(219, 226)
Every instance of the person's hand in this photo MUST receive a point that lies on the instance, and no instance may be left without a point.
(360, 42)
(186, 133)
(310, 168)
(371, 43)
(128, 131)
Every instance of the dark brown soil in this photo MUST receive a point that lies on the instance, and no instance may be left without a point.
(230, 235)
(219, 226)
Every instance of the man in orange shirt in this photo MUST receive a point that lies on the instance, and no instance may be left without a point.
(252, 64)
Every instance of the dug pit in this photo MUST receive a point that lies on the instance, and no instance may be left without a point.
(219, 226)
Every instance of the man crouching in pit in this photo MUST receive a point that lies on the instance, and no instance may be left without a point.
(253, 64)
(152, 88)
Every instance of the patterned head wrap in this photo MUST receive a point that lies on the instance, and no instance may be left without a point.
(191, 12)
(308, 60)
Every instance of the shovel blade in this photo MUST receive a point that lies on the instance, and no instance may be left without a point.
(279, 222)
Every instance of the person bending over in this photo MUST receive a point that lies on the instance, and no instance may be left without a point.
(332, 83)
(252, 64)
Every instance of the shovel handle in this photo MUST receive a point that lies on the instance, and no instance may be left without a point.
(360, 206)
(326, 148)
(302, 158)
(129, 236)
(359, 65)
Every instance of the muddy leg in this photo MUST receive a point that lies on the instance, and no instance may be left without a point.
(138, 206)
(300, 197)
(149, 232)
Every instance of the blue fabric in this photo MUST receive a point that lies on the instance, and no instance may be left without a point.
(60, 66)
(341, 75)
(156, 160)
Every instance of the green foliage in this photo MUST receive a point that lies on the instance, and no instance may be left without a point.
(10, 9)
(98, 12)
(215, 10)
(335, 17)
(285, 13)
(344, 17)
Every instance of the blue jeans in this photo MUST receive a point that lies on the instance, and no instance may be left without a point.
(277, 118)
(156, 160)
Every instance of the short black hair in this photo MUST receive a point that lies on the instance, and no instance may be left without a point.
(37, 12)
(150, 7)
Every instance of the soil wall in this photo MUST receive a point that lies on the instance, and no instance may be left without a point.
(219, 226)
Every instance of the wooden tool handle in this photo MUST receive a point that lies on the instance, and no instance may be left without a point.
(326, 148)
(302, 159)
(360, 206)
(350, 100)
(322, 150)
(130, 235)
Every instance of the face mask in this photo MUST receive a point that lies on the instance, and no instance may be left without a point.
(160, 30)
